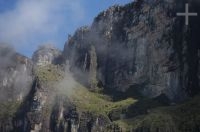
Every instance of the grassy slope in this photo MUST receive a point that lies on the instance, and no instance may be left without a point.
(97, 103)
(84, 99)
(180, 118)
(50, 73)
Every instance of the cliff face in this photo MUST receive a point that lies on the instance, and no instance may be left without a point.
(15, 84)
(34, 98)
(103, 79)
(15, 74)
(141, 47)
(52, 106)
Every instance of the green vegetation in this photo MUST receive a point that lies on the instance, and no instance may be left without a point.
(86, 100)
(143, 114)
(48, 73)
(180, 118)
(154, 121)
(8, 109)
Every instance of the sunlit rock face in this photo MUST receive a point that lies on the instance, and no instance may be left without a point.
(15, 75)
(45, 55)
(141, 48)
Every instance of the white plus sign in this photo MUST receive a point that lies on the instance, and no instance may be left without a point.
(187, 14)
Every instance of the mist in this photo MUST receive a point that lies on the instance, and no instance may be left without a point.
(67, 85)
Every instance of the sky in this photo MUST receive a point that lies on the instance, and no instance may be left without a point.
(26, 24)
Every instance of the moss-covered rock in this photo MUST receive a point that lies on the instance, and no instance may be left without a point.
(8, 109)
(49, 73)
(86, 100)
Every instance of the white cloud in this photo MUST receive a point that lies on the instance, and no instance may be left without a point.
(33, 18)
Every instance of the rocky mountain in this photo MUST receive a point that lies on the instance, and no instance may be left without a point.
(46, 54)
(135, 69)
(15, 83)
(141, 47)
